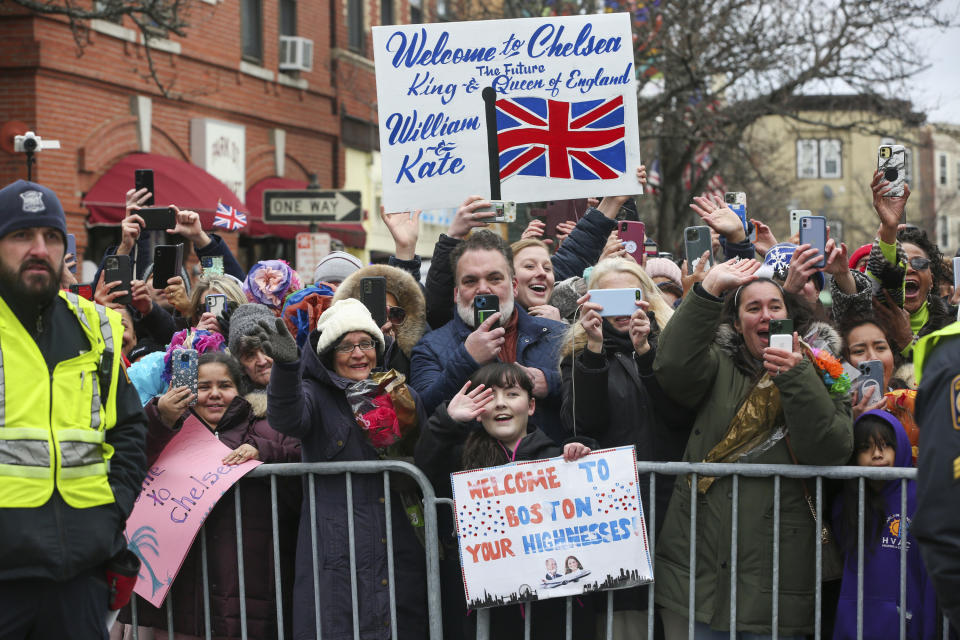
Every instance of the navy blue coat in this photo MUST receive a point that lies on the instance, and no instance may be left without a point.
(440, 364)
(307, 400)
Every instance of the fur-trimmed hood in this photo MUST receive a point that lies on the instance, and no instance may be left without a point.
(407, 292)
(258, 402)
(818, 334)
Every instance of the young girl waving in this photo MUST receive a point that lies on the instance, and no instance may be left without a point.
(500, 397)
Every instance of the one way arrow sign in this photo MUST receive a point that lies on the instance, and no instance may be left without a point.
(288, 206)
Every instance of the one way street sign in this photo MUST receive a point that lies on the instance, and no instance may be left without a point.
(311, 206)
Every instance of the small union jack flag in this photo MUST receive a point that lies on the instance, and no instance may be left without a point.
(550, 138)
(229, 218)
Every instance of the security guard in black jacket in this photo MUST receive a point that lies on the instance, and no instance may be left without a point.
(936, 523)
(72, 432)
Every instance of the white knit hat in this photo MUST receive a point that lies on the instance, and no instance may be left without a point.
(342, 318)
(335, 267)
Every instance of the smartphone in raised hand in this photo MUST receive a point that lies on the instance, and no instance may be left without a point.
(813, 231)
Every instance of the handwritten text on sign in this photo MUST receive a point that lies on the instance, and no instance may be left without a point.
(180, 490)
(566, 113)
(550, 528)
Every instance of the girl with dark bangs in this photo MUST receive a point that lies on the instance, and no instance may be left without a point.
(500, 397)
(881, 441)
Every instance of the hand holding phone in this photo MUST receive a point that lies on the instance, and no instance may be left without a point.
(616, 302)
(183, 371)
(215, 303)
(870, 381)
(696, 242)
(486, 340)
(117, 268)
(143, 179)
(373, 295)
(633, 235)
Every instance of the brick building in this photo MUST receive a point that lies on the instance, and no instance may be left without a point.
(226, 108)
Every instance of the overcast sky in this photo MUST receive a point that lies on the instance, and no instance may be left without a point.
(937, 90)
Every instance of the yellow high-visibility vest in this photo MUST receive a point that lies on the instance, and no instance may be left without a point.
(52, 427)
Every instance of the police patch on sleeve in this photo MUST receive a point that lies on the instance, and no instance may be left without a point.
(955, 402)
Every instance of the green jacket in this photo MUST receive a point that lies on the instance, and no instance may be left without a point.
(695, 365)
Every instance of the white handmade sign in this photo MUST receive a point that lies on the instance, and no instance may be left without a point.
(557, 94)
(549, 528)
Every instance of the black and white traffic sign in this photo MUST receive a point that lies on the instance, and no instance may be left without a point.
(296, 206)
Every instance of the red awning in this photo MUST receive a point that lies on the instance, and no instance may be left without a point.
(175, 182)
(351, 234)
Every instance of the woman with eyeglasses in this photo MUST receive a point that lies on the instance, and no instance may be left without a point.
(333, 397)
(406, 311)
(908, 268)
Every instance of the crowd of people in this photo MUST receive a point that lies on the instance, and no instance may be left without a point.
(294, 370)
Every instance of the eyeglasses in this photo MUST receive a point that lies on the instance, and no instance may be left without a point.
(919, 263)
(396, 315)
(366, 345)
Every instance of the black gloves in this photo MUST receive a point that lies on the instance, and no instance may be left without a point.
(277, 341)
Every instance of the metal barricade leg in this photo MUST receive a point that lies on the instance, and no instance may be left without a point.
(775, 605)
(275, 532)
(316, 560)
(354, 602)
(691, 604)
(734, 534)
(240, 567)
(652, 535)
(388, 513)
(860, 494)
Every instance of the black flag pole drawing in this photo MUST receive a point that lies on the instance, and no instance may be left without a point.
(489, 95)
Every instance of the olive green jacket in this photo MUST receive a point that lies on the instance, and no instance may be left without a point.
(698, 370)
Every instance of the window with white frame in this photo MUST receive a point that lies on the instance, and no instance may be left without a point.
(819, 158)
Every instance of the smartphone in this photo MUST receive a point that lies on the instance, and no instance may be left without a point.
(118, 269)
(72, 250)
(373, 295)
(501, 211)
(82, 290)
(158, 218)
(215, 303)
(143, 179)
(872, 373)
(167, 263)
(782, 326)
(696, 241)
(183, 370)
(616, 302)
(956, 273)
(813, 231)
(649, 249)
(484, 306)
(633, 234)
(781, 334)
(212, 265)
(795, 216)
(736, 201)
(891, 161)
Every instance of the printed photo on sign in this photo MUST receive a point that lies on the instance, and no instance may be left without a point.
(535, 108)
(549, 528)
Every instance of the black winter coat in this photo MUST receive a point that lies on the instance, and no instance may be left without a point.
(308, 401)
(240, 424)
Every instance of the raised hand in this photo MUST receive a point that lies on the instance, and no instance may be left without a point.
(468, 404)
(699, 272)
(564, 229)
(640, 328)
(592, 323)
(765, 238)
(130, 229)
(614, 247)
(467, 217)
(404, 227)
(729, 275)
(535, 229)
(173, 403)
(889, 208)
(802, 266)
(277, 341)
(777, 361)
(719, 217)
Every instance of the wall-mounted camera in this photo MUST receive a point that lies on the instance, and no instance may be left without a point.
(30, 142)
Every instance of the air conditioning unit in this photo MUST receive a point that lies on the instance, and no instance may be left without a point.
(296, 53)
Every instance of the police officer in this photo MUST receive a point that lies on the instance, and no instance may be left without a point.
(936, 523)
(72, 432)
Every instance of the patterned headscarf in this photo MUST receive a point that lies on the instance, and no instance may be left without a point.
(269, 282)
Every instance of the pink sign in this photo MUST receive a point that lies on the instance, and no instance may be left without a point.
(180, 490)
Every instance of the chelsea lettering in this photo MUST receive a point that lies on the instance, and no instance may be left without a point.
(548, 41)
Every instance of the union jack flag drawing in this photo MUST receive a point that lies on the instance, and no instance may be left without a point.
(229, 218)
(550, 138)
